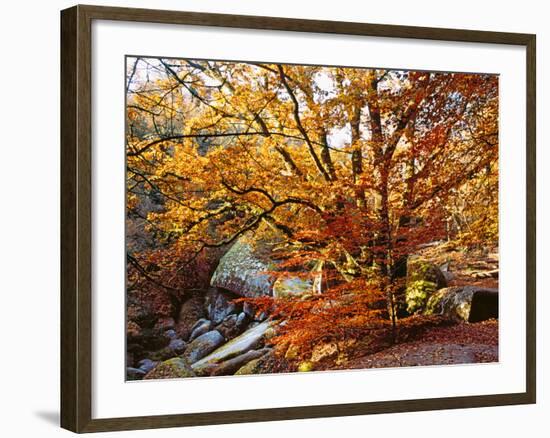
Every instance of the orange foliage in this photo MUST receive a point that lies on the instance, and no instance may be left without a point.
(356, 167)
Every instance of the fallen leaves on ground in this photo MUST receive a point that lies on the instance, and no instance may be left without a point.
(438, 345)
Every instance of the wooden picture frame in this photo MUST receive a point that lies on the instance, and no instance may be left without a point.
(76, 218)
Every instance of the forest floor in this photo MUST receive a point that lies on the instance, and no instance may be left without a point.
(454, 344)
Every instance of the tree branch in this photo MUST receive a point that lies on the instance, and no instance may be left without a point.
(301, 128)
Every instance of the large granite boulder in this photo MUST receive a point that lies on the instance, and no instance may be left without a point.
(423, 280)
(464, 303)
(242, 270)
(245, 269)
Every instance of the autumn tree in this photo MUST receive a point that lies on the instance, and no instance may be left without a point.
(355, 167)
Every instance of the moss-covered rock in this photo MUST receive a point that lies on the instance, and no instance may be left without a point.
(423, 280)
(173, 368)
(464, 303)
(252, 367)
(174, 348)
(162, 354)
(231, 366)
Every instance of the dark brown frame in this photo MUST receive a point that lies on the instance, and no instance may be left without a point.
(76, 237)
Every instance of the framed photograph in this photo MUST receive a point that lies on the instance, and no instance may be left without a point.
(270, 218)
